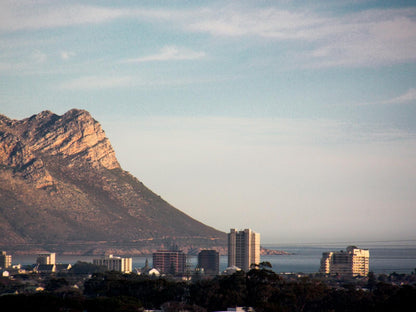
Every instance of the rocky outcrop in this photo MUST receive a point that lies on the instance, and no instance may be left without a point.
(75, 136)
(16, 154)
(272, 252)
(61, 185)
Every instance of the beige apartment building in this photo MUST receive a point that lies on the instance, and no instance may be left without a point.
(5, 260)
(352, 262)
(113, 263)
(46, 258)
(243, 248)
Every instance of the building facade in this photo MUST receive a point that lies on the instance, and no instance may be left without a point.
(45, 268)
(46, 258)
(209, 261)
(352, 262)
(113, 263)
(243, 248)
(170, 262)
(5, 260)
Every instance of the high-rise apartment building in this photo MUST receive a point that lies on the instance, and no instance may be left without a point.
(209, 261)
(5, 260)
(352, 262)
(170, 262)
(113, 263)
(46, 258)
(243, 248)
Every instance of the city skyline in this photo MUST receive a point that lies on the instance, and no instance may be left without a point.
(293, 118)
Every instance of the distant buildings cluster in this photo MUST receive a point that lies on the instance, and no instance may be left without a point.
(243, 254)
(243, 251)
(45, 263)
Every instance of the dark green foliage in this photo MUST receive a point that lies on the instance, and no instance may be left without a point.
(371, 281)
(174, 306)
(55, 284)
(81, 267)
(261, 289)
(41, 302)
(152, 293)
(113, 304)
(264, 290)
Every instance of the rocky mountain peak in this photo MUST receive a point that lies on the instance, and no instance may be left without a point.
(4, 120)
(74, 135)
(61, 184)
(46, 114)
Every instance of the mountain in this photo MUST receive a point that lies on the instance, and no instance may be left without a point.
(62, 189)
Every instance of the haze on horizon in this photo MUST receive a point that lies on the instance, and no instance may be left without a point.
(295, 119)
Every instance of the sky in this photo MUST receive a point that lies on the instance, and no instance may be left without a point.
(294, 118)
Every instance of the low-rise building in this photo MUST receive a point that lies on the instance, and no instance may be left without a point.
(63, 267)
(113, 263)
(45, 268)
(147, 270)
(5, 273)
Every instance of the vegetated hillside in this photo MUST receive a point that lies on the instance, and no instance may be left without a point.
(62, 189)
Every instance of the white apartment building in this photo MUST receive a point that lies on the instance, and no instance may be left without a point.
(352, 262)
(113, 263)
(243, 248)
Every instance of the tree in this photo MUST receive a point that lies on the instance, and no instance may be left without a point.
(55, 284)
(261, 286)
(81, 267)
(371, 283)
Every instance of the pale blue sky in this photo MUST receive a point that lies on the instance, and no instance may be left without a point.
(294, 118)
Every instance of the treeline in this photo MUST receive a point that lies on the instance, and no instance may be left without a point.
(261, 289)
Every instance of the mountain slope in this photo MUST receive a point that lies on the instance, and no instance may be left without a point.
(61, 186)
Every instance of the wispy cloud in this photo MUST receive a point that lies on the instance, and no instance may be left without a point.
(407, 97)
(97, 82)
(66, 55)
(271, 23)
(368, 38)
(169, 53)
(39, 57)
(371, 37)
(32, 15)
(17, 15)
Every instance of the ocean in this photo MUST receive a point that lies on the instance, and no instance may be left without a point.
(385, 257)
(306, 259)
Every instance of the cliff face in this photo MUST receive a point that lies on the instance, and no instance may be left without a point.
(61, 187)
